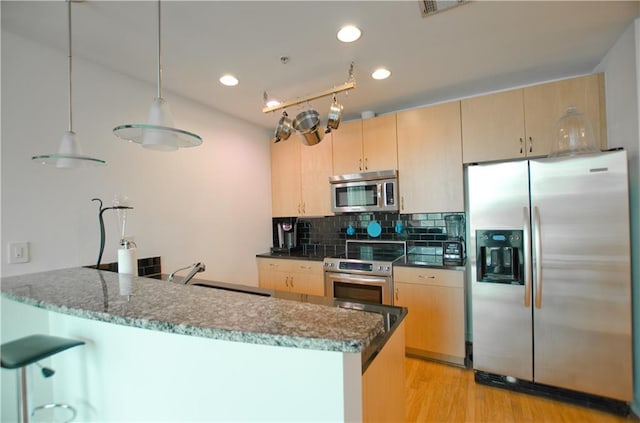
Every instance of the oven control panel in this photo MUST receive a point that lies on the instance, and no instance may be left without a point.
(357, 266)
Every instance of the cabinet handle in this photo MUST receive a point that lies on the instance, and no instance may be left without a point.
(304, 205)
(286, 281)
(366, 163)
(396, 294)
(402, 203)
(521, 141)
(360, 164)
(426, 277)
(299, 208)
(530, 145)
(291, 282)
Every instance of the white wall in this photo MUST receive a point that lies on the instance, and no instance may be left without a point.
(210, 203)
(621, 66)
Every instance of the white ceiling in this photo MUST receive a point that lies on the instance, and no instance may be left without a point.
(474, 48)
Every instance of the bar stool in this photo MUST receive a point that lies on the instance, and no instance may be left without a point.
(20, 353)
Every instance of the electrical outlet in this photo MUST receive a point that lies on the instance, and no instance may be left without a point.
(18, 252)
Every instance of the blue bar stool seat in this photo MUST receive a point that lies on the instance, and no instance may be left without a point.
(20, 353)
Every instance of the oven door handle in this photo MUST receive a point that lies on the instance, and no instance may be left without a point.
(357, 279)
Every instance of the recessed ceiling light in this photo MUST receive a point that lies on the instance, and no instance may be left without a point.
(228, 80)
(348, 34)
(381, 73)
(273, 103)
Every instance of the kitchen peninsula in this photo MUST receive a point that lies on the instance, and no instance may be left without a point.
(160, 351)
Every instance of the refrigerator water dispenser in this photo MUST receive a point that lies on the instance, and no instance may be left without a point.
(500, 256)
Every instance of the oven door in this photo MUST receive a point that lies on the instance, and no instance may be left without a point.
(347, 286)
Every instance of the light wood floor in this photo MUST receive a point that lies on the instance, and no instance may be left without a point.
(441, 393)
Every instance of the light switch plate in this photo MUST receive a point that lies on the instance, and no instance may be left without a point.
(18, 252)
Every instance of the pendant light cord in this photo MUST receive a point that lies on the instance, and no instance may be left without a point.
(159, 54)
(70, 70)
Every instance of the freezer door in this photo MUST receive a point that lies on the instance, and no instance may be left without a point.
(502, 323)
(582, 313)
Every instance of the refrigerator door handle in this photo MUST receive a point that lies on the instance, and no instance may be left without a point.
(526, 229)
(537, 240)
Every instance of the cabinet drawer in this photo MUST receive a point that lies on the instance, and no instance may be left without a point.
(276, 265)
(307, 267)
(429, 276)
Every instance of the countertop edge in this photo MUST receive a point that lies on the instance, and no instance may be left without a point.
(350, 346)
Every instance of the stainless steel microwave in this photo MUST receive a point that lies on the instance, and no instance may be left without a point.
(365, 192)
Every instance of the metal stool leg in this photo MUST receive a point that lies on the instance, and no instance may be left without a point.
(24, 399)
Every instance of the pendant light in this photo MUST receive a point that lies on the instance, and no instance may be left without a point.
(159, 132)
(69, 154)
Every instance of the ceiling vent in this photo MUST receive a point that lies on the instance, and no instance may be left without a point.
(430, 7)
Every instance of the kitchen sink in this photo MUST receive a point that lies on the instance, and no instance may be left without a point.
(235, 288)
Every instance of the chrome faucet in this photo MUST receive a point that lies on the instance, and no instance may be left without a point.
(195, 268)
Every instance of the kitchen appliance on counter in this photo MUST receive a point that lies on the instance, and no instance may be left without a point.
(365, 272)
(453, 251)
(364, 192)
(551, 284)
(285, 235)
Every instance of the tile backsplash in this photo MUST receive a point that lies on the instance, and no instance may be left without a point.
(424, 233)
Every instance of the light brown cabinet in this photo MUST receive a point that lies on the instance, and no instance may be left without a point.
(301, 276)
(300, 178)
(435, 325)
(365, 145)
(430, 168)
(521, 123)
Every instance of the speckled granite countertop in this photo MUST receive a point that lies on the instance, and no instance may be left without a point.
(200, 311)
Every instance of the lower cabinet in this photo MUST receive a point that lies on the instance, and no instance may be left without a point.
(301, 276)
(435, 325)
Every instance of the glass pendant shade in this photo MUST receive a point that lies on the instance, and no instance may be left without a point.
(69, 155)
(574, 135)
(159, 133)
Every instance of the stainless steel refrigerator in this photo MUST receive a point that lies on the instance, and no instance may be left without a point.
(551, 273)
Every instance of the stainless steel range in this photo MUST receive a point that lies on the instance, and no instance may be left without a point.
(365, 272)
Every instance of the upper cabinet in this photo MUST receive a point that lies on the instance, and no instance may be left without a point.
(365, 145)
(545, 104)
(286, 188)
(521, 123)
(316, 167)
(300, 178)
(430, 159)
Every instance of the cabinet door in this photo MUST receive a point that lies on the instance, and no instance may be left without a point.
(493, 127)
(273, 274)
(446, 314)
(545, 104)
(436, 299)
(416, 299)
(430, 168)
(285, 178)
(316, 167)
(307, 277)
(379, 141)
(347, 148)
